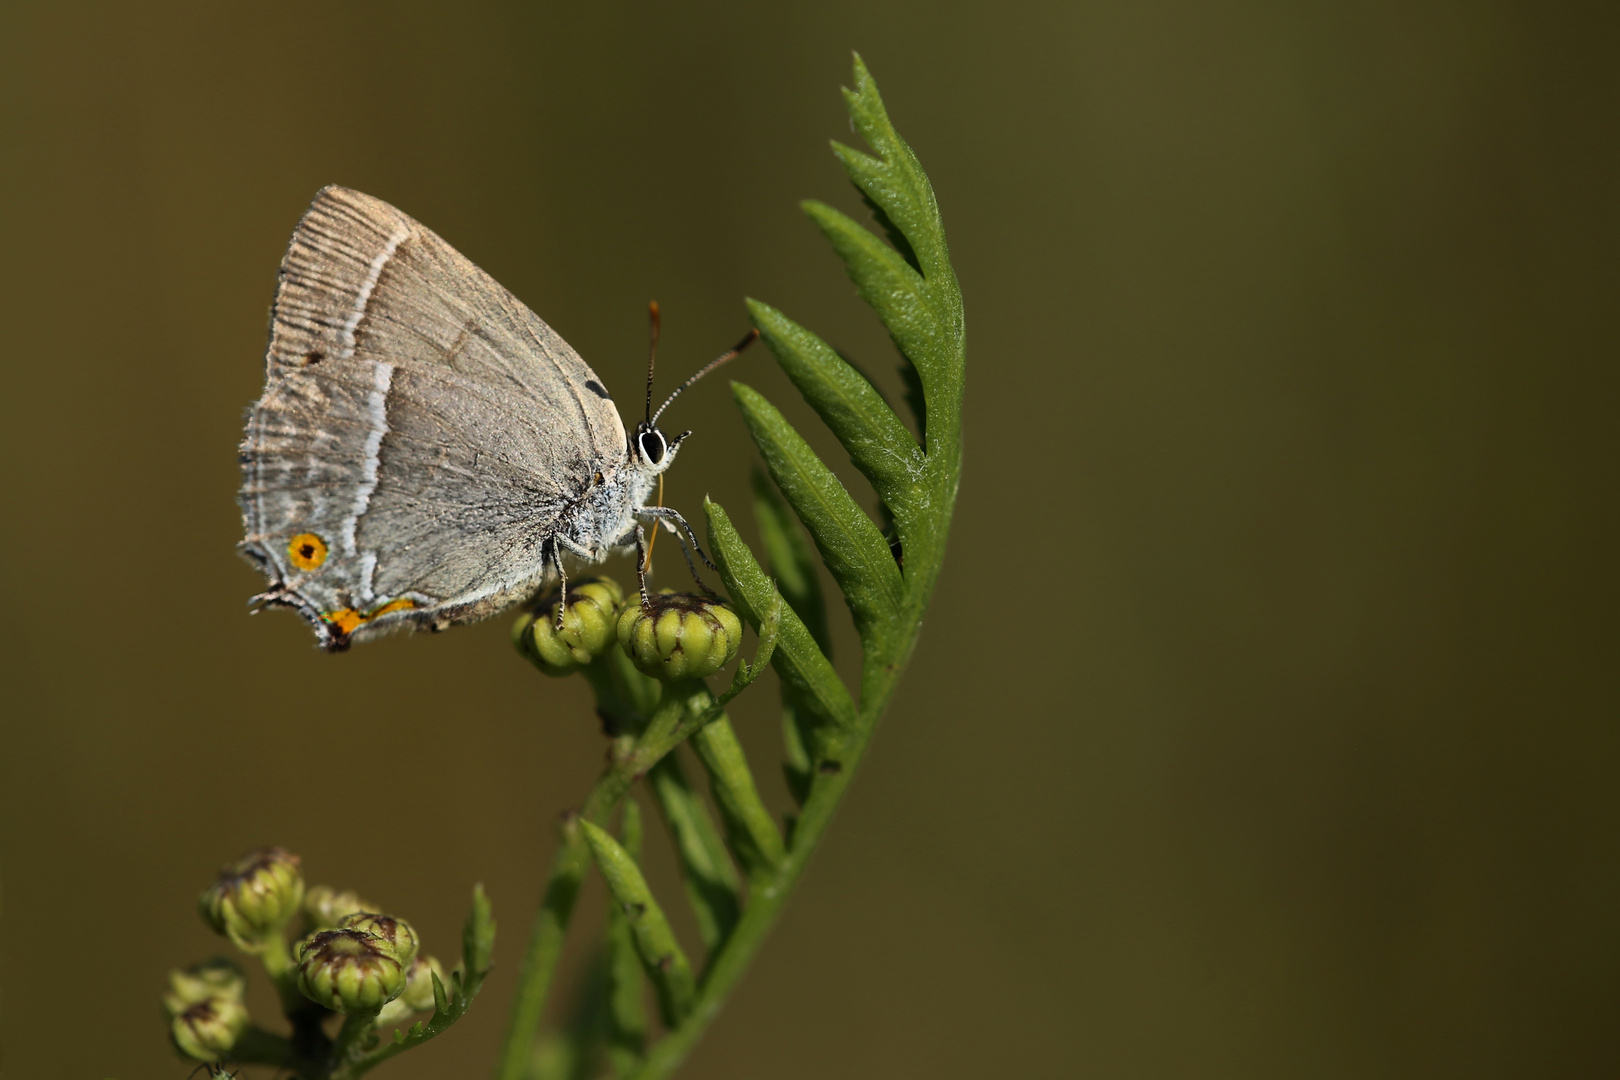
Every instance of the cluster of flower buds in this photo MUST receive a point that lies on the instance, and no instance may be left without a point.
(351, 959)
(674, 636)
(367, 963)
(205, 1009)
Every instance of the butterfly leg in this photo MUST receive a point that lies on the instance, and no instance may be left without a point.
(671, 514)
(641, 567)
(670, 518)
(558, 543)
(562, 583)
(690, 565)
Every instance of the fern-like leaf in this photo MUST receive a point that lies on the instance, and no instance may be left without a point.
(886, 579)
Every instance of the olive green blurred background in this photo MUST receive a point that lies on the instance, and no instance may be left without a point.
(1264, 722)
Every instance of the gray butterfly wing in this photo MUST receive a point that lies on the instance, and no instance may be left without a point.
(420, 433)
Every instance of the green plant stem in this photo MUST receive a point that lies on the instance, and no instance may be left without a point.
(278, 964)
(352, 1035)
(626, 1016)
(765, 904)
(449, 1003)
(309, 1040)
(670, 724)
(545, 947)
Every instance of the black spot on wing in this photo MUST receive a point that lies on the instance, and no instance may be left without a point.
(598, 389)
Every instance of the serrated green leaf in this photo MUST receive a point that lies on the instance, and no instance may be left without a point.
(796, 761)
(662, 957)
(791, 559)
(909, 282)
(796, 659)
(893, 184)
(441, 999)
(750, 829)
(711, 881)
(892, 289)
(878, 443)
(849, 544)
(891, 231)
(916, 397)
(478, 936)
(894, 179)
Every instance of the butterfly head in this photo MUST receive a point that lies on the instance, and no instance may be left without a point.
(651, 449)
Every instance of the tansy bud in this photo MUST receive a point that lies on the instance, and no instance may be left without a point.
(325, 907)
(419, 985)
(349, 971)
(587, 627)
(207, 1030)
(254, 897)
(418, 995)
(397, 932)
(199, 982)
(682, 637)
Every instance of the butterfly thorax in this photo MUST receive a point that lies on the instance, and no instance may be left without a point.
(603, 519)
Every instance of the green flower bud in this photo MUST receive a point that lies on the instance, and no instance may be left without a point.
(587, 627)
(349, 971)
(207, 1030)
(199, 982)
(392, 1014)
(254, 897)
(419, 983)
(682, 637)
(325, 907)
(397, 932)
(418, 995)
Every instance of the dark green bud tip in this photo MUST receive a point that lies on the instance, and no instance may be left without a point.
(397, 932)
(679, 636)
(207, 1029)
(587, 627)
(349, 971)
(199, 982)
(254, 897)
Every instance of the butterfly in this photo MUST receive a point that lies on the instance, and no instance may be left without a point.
(427, 451)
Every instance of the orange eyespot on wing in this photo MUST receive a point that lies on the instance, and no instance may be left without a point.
(392, 605)
(307, 551)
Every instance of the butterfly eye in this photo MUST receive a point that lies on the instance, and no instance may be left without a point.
(652, 446)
